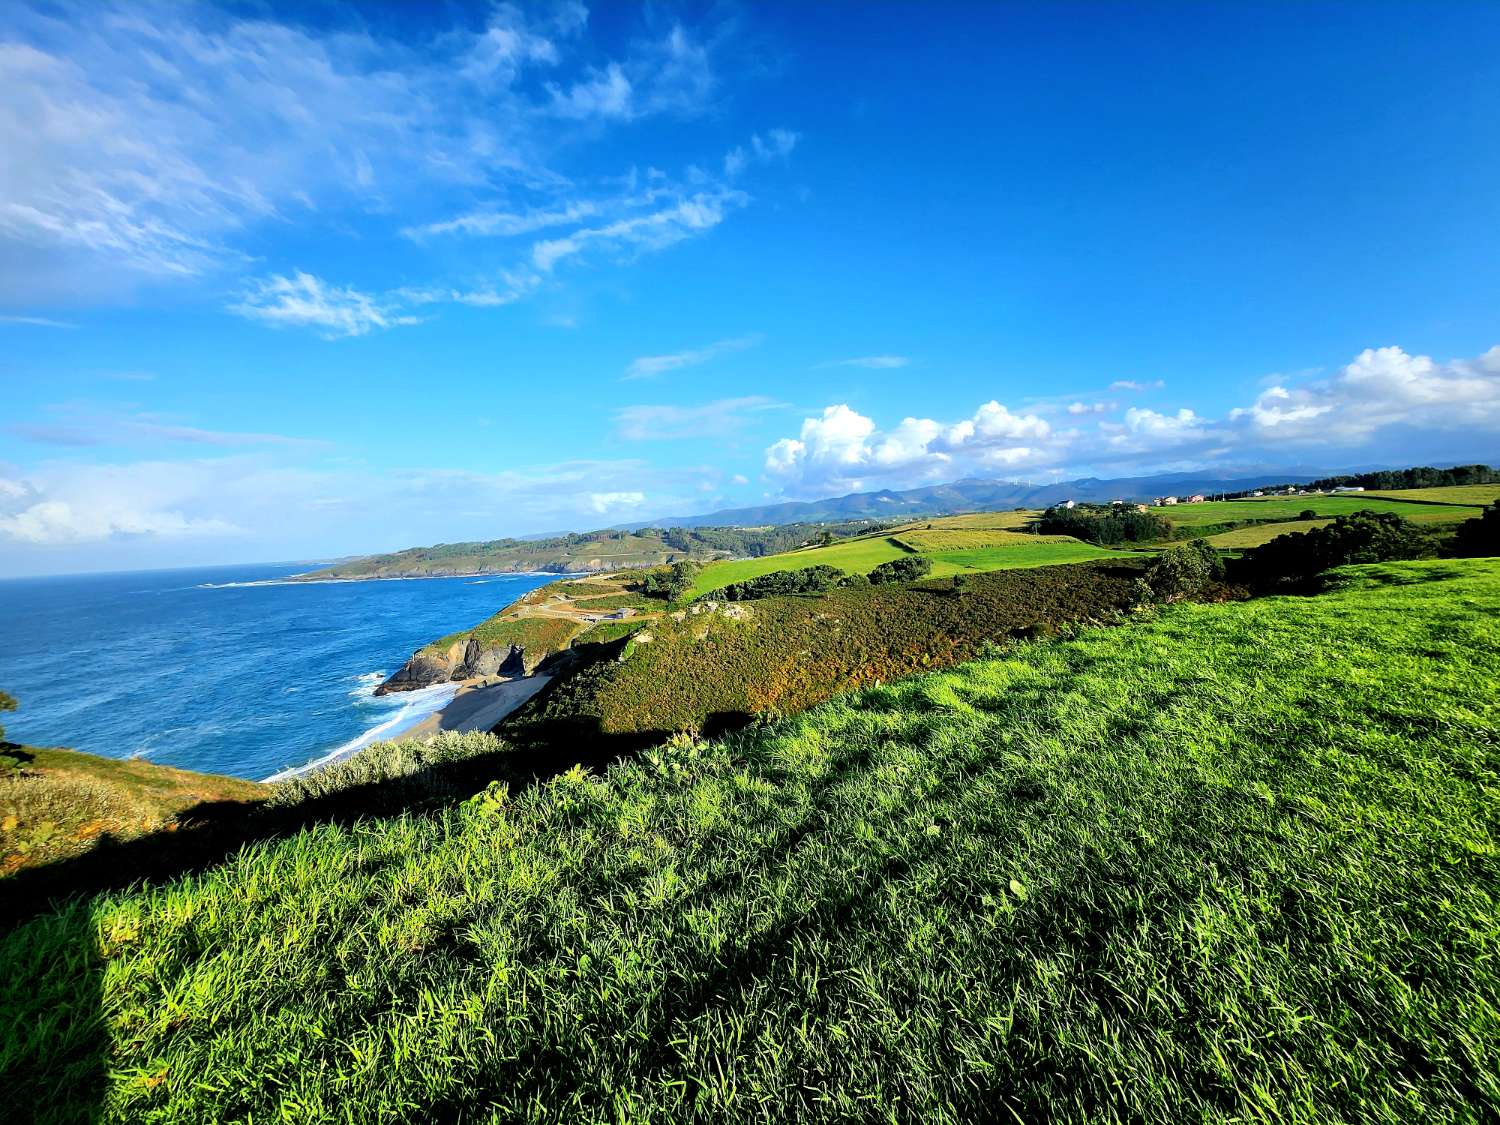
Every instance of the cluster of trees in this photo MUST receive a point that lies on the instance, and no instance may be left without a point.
(905, 569)
(809, 580)
(1105, 524)
(1423, 476)
(818, 579)
(1360, 537)
(671, 582)
(1479, 538)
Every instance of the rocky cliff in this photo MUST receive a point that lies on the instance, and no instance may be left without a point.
(462, 660)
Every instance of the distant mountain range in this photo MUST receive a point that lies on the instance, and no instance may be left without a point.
(973, 495)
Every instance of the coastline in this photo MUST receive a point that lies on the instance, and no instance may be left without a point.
(466, 706)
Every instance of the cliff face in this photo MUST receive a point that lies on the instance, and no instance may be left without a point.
(462, 660)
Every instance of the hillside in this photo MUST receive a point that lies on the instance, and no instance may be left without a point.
(1205, 866)
(595, 551)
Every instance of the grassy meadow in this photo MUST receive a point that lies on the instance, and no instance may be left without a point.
(1228, 862)
(1475, 495)
(1242, 538)
(1290, 507)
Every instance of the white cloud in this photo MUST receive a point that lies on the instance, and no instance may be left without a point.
(1083, 409)
(873, 362)
(157, 135)
(1134, 385)
(739, 478)
(92, 503)
(304, 301)
(603, 502)
(654, 231)
(775, 146)
(711, 420)
(646, 366)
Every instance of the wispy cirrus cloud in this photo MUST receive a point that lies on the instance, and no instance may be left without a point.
(160, 136)
(97, 427)
(305, 301)
(1137, 385)
(37, 322)
(649, 366)
(871, 362)
(716, 419)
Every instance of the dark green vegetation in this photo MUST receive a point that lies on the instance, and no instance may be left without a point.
(710, 668)
(1294, 560)
(588, 551)
(1184, 571)
(1225, 863)
(907, 569)
(1479, 537)
(7, 703)
(808, 580)
(671, 582)
(1105, 524)
(1424, 476)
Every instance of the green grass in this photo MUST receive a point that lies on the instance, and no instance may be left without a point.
(1244, 537)
(1050, 551)
(1232, 863)
(537, 635)
(606, 631)
(951, 550)
(1479, 495)
(1289, 507)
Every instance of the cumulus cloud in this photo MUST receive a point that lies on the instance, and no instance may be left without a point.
(1383, 395)
(710, 420)
(603, 502)
(646, 366)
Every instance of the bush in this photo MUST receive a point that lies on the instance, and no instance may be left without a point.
(1361, 537)
(1479, 537)
(808, 580)
(7, 703)
(1180, 572)
(853, 581)
(907, 569)
(1307, 514)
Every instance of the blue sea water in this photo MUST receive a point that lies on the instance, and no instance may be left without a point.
(225, 669)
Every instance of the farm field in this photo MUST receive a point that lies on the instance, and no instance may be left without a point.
(1242, 538)
(1078, 881)
(1289, 507)
(1476, 494)
(951, 546)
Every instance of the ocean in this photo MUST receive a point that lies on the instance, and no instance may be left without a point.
(225, 669)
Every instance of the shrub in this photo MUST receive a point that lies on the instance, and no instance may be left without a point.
(1479, 537)
(1307, 514)
(7, 703)
(1182, 571)
(907, 569)
(808, 580)
(1361, 537)
(853, 581)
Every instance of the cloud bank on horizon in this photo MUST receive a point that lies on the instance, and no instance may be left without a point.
(287, 282)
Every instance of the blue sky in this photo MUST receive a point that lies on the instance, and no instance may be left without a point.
(283, 281)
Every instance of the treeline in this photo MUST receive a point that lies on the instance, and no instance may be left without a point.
(1104, 524)
(1389, 480)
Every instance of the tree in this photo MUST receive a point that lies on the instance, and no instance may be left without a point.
(825, 539)
(7, 703)
(1307, 514)
(906, 569)
(1479, 537)
(1182, 571)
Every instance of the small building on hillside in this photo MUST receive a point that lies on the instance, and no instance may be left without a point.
(1257, 492)
(1348, 488)
(1197, 498)
(1164, 501)
(1068, 504)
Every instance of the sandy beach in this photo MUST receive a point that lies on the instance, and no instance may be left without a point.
(478, 707)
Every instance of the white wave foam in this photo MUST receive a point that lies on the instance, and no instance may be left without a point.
(419, 704)
(367, 685)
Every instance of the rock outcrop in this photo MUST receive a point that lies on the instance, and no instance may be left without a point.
(462, 660)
